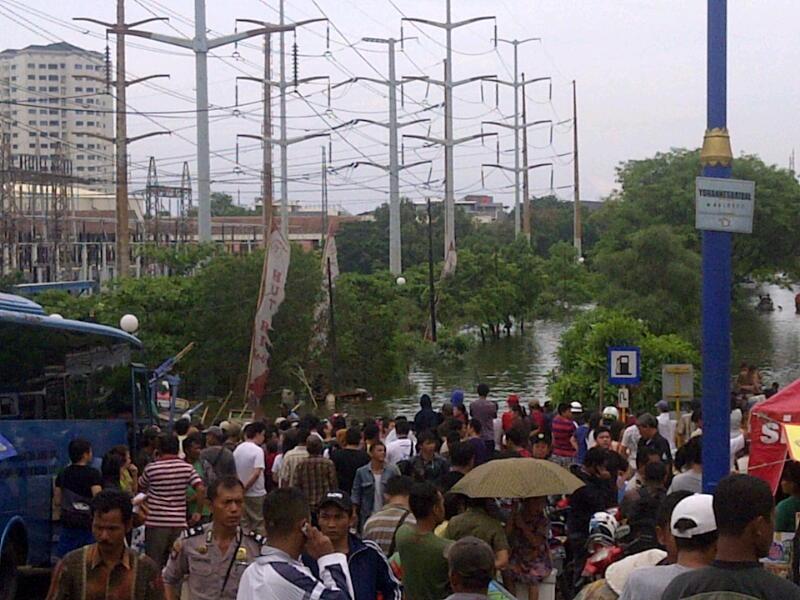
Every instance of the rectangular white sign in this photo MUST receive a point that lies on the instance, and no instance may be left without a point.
(724, 204)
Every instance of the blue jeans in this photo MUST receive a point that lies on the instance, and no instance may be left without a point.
(72, 538)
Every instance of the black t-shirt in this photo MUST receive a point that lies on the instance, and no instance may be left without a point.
(79, 479)
(721, 579)
(347, 461)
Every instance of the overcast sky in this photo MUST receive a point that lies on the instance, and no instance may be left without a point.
(640, 67)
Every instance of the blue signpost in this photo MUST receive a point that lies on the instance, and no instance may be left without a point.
(716, 158)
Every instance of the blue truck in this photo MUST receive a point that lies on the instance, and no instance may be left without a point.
(59, 379)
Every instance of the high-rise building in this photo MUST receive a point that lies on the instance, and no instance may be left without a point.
(56, 94)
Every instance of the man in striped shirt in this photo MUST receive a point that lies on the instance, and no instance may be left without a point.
(165, 482)
(383, 525)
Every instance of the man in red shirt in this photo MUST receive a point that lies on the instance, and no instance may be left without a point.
(565, 446)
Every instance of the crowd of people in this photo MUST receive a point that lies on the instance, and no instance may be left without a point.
(340, 508)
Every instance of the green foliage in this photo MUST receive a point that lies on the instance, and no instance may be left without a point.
(657, 278)
(181, 259)
(7, 282)
(583, 353)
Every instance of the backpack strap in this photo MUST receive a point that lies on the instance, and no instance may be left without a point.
(394, 534)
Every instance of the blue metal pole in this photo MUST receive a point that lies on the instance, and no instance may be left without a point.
(716, 288)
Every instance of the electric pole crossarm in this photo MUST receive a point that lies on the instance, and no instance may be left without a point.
(415, 164)
(495, 166)
(476, 136)
(147, 78)
(354, 79)
(470, 21)
(454, 84)
(499, 124)
(388, 125)
(425, 22)
(113, 28)
(160, 37)
(519, 42)
(535, 80)
(136, 138)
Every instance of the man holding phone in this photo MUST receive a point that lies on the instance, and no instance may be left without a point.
(278, 574)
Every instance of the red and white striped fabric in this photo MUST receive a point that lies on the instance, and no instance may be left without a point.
(165, 482)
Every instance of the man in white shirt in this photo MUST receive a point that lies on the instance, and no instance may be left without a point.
(402, 448)
(666, 426)
(249, 459)
(278, 573)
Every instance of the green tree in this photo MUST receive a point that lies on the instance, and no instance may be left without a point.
(656, 278)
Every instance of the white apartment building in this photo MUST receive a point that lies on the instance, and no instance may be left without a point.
(48, 95)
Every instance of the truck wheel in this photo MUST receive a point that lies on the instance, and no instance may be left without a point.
(8, 574)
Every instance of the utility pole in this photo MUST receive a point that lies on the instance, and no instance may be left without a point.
(515, 85)
(449, 143)
(200, 44)
(431, 284)
(394, 167)
(267, 139)
(526, 211)
(324, 198)
(283, 142)
(717, 159)
(577, 225)
(120, 139)
(449, 201)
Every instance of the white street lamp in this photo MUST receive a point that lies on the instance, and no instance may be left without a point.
(129, 323)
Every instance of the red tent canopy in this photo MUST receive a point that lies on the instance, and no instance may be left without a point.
(767, 439)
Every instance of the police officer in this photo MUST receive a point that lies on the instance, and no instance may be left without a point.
(213, 557)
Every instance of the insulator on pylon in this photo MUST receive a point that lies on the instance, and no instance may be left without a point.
(295, 61)
(483, 180)
(108, 67)
(497, 95)
(495, 34)
(482, 102)
(328, 37)
(498, 151)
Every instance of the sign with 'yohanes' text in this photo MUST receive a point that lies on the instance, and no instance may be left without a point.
(724, 204)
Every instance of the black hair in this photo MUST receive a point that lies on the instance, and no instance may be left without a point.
(601, 429)
(668, 504)
(562, 408)
(149, 436)
(398, 486)
(77, 448)
(454, 504)
(352, 436)
(517, 436)
(227, 483)
(302, 435)
(655, 472)
(644, 454)
(371, 431)
(691, 452)
(425, 401)
(596, 457)
(422, 499)
(310, 422)
(182, 426)
(253, 429)
(402, 427)
(738, 501)
(791, 473)
(338, 422)
(483, 389)
(697, 415)
(426, 436)
(194, 438)
(284, 508)
(476, 425)
(112, 499)
(169, 444)
(290, 439)
(702, 541)
(110, 469)
(376, 443)
(461, 454)
(314, 445)
(594, 420)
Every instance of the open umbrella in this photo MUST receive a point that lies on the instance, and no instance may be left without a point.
(517, 478)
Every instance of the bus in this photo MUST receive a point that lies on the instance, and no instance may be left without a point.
(59, 379)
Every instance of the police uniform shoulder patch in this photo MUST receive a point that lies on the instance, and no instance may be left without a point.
(257, 537)
(193, 531)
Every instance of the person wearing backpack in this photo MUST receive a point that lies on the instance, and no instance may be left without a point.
(218, 456)
(74, 489)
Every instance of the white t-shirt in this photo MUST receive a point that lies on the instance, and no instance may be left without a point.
(666, 427)
(378, 499)
(737, 443)
(392, 437)
(400, 449)
(630, 439)
(249, 457)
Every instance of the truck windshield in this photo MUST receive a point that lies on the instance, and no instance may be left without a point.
(48, 373)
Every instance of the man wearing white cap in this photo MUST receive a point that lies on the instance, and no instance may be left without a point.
(695, 531)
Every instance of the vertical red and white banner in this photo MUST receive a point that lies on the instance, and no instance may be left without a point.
(272, 294)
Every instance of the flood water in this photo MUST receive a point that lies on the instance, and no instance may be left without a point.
(520, 364)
